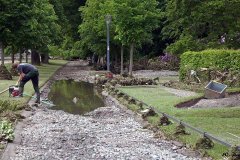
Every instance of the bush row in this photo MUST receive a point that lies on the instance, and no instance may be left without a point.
(221, 60)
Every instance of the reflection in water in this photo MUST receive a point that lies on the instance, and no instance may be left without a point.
(75, 97)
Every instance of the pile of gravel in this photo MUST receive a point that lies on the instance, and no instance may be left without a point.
(154, 74)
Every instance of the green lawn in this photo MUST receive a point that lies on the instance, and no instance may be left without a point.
(45, 71)
(221, 122)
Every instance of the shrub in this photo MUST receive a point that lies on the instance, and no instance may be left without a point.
(220, 60)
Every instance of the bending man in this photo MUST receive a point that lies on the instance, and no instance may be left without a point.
(27, 72)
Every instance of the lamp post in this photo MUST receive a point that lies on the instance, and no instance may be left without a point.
(108, 19)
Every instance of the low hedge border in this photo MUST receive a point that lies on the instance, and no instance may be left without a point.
(217, 60)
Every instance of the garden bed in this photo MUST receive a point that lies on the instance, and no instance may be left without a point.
(231, 100)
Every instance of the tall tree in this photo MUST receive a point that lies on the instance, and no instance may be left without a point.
(69, 18)
(92, 30)
(135, 21)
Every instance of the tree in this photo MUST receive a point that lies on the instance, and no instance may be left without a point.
(196, 25)
(28, 24)
(92, 29)
(2, 53)
(135, 21)
(69, 18)
(46, 30)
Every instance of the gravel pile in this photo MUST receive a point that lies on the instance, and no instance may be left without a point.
(154, 74)
(110, 132)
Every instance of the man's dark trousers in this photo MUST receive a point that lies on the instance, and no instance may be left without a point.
(34, 77)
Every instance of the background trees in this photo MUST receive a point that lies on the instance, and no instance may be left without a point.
(132, 23)
(197, 25)
(73, 28)
(28, 24)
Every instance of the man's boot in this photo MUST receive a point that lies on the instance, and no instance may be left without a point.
(38, 98)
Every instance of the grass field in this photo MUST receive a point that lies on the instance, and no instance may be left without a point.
(221, 122)
(45, 71)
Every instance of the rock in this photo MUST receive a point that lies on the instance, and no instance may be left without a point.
(148, 112)
(75, 100)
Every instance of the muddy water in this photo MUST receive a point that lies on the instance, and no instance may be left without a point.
(75, 97)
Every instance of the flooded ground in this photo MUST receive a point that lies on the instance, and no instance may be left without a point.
(109, 132)
(75, 97)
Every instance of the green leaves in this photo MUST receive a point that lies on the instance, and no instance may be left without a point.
(204, 21)
(132, 22)
(135, 20)
(28, 23)
(222, 60)
(6, 130)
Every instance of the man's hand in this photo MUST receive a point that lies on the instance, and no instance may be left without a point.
(21, 75)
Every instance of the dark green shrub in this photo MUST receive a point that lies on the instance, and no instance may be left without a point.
(221, 60)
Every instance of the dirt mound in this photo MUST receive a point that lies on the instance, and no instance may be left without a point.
(13, 72)
(232, 100)
(4, 73)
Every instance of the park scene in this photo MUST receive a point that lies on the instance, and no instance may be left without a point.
(120, 79)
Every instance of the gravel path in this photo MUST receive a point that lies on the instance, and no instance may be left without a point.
(110, 132)
(180, 93)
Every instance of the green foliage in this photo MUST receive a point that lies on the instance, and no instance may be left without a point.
(135, 20)
(132, 22)
(28, 24)
(185, 43)
(7, 105)
(201, 23)
(215, 59)
(73, 16)
(93, 29)
(6, 130)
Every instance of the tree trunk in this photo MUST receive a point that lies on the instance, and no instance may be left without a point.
(27, 57)
(116, 58)
(122, 49)
(35, 58)
(12, 57)
(4, 73)
(20, 56)
(44, 58)
(2, 53)
(131, 59)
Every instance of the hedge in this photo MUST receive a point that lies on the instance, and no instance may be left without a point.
(222, 60)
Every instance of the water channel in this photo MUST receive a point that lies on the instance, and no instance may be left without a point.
(75, 97)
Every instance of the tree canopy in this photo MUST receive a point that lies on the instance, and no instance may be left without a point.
(196, 25)
(78, 28)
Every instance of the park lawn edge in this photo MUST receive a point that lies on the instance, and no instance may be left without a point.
(189, 140)
(48, 74)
